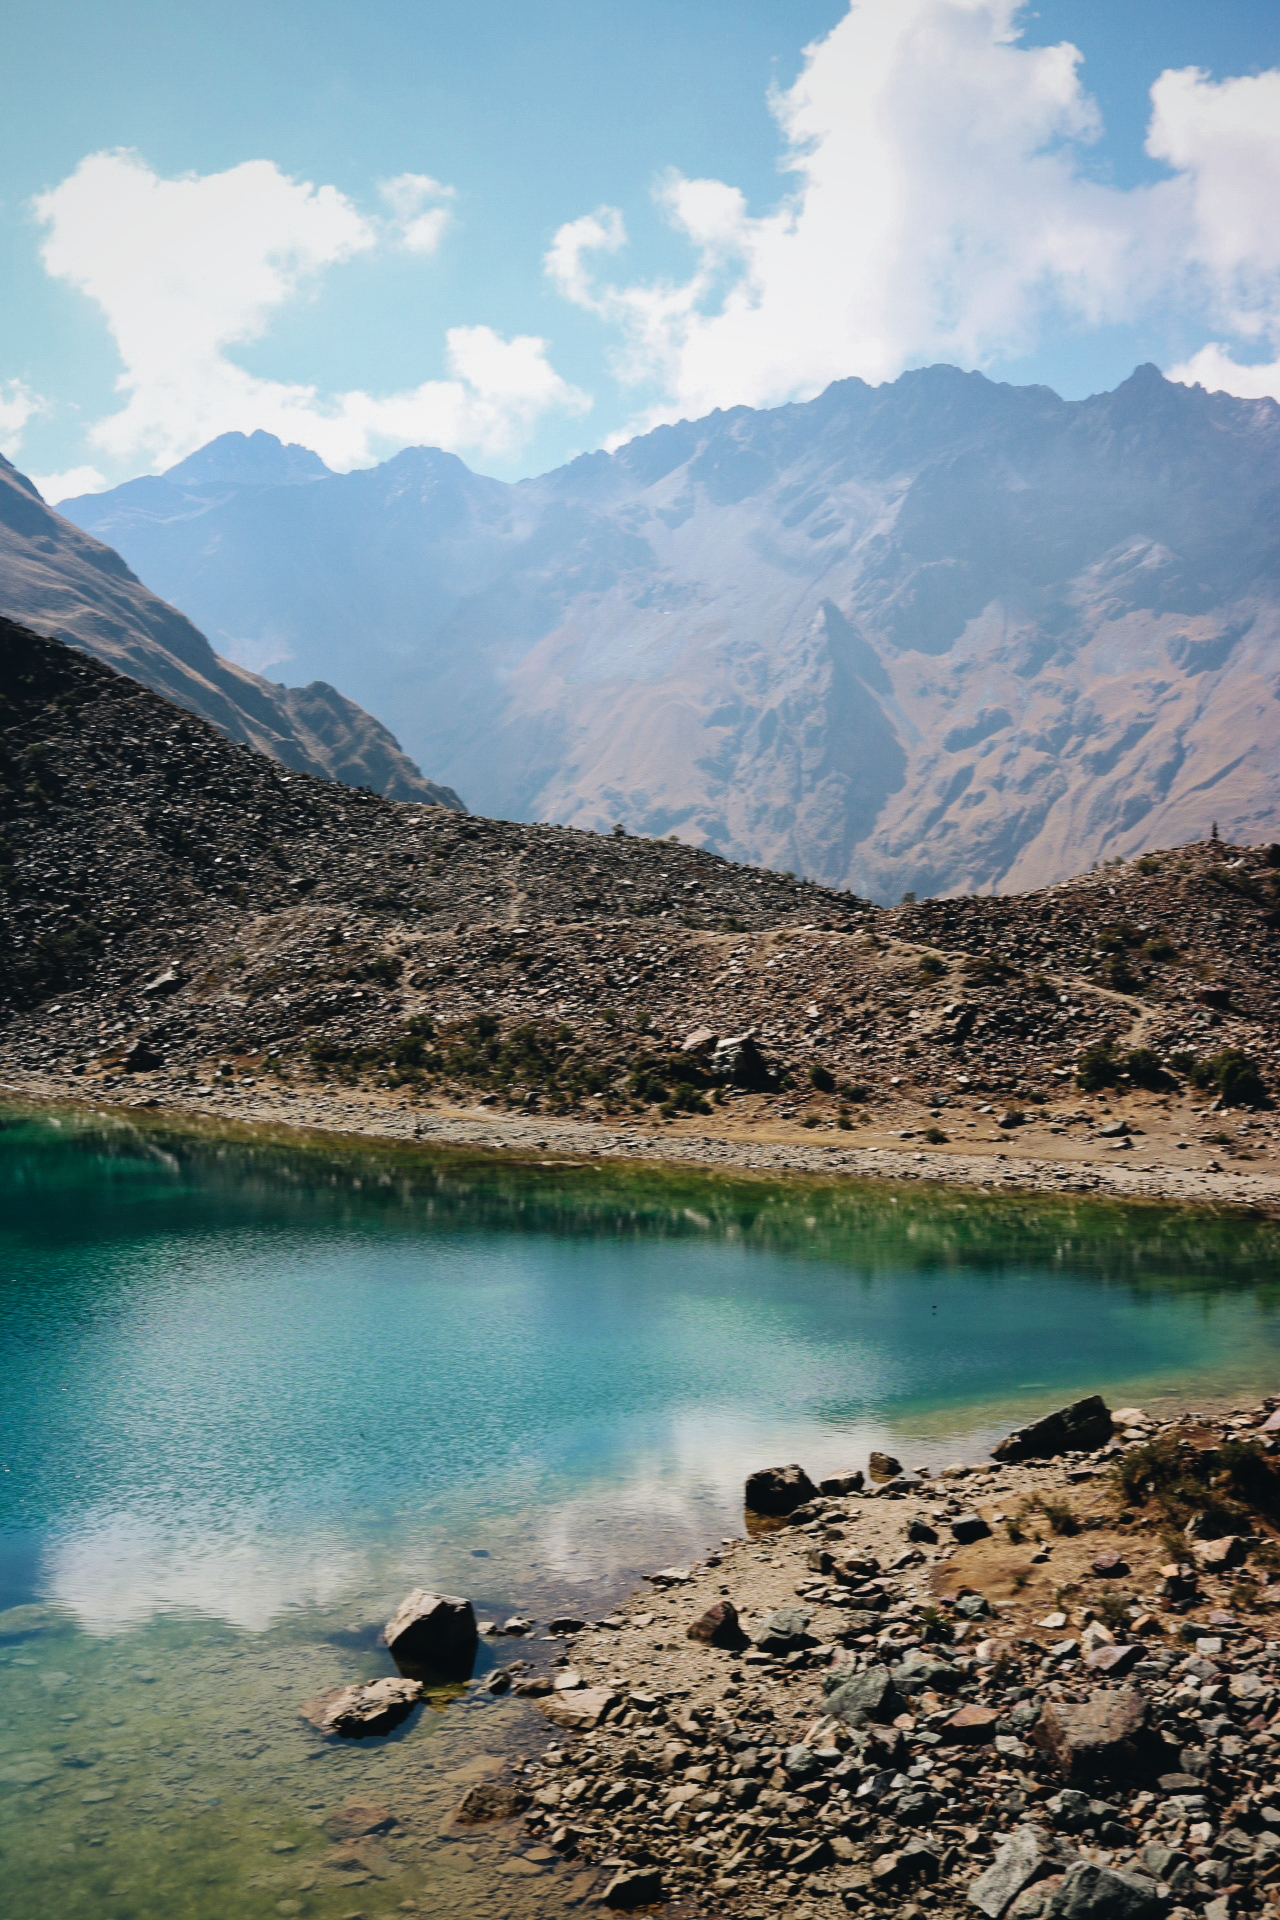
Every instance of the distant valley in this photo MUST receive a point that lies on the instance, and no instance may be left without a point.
(74, 588)
(941, 636)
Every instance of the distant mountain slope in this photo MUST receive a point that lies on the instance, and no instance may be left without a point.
(942, 634)
(55, 578)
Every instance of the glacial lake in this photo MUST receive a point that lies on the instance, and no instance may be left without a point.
(254, 1393)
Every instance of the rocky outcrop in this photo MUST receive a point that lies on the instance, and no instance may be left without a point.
(1077, 1428)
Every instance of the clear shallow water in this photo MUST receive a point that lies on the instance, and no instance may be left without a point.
(252, 1395)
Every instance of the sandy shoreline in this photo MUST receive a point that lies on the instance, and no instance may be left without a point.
(1148, 1168)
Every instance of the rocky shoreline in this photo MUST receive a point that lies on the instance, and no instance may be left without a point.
(1047, 1689)
(369, 1118)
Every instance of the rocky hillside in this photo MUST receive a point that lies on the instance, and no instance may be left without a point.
(939, 635)
(57, 579)
(171, 902)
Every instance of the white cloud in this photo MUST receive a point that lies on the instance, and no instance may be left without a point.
(186, 270)
(18, 404)
(942, 209)
(66, 485)
(415, 202)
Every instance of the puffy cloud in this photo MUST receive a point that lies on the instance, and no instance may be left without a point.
(68, 484)
(186, 270)
(18, 404)
(942, 209)
(415, 200)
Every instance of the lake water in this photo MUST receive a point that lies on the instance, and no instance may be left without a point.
(252, 1395)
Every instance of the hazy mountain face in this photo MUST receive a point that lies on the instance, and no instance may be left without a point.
(57, 580)
(939, 635)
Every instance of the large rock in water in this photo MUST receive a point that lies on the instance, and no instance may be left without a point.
(778, 1490)
(1107, 1736)
(432, 1631)
(1079, 1428)
(352, 1713)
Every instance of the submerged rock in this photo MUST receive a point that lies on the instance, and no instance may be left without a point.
(353, 1713)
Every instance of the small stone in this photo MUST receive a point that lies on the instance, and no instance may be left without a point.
(883, 1466)
(1111, 1565)
(580, 1710)
(718, 1626)
(849, 1481)
(785, 1631)
(669, 1577)
(971, 1726)
(1215, 1556)
(486, 1802)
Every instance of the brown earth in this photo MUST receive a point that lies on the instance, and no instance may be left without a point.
(185, 923)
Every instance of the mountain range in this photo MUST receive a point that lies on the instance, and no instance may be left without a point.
(941, 635)
(54, 577)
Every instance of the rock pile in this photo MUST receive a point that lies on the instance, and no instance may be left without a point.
(910, 1730)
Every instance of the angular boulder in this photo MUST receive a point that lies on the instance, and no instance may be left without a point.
(1028, 1856)
(971, 1726)
(778, 1490)
(739, 1061)
(1106, 1737)
(849, 1481)
(634, 1887)
(717, 1627)
(1079, 1428)
(582, 1710)
(354, 1713)
(785, 1631)
(968, 1527)
(883, 1466)
(1089, 1892)
(864, 1696)
(432, 1632)
(919, 1669)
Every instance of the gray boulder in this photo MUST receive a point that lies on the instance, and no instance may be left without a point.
(864, 1696)
(919, 1669)
(432, 1631)
(1028, 1856)
(967, 1527)
(786, 1630)
(739, 1061)
(1079, 1428)
(1089, 1892)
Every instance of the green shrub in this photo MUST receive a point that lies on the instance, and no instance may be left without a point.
(935, 1136)
(1234, 1075)
(1098, 1067)
(823, 1079)
(932, 966)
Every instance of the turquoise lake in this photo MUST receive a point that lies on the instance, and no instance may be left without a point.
(253, 1394)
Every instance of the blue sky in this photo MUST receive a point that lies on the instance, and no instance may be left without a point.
(521, 231)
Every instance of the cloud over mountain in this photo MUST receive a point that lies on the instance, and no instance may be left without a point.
(944, 206)
(187, 270)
